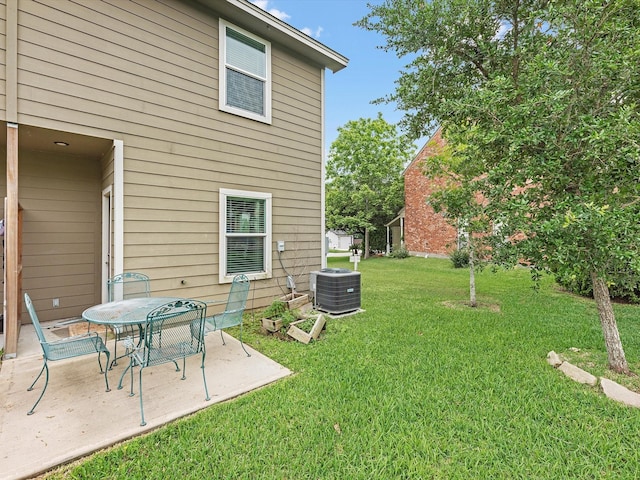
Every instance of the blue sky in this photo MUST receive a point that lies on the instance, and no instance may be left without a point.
(371, 72)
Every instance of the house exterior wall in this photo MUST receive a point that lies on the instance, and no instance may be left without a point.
(396, 237)
(61, 231)
(146, 73)
(339, 240)
(425, 232)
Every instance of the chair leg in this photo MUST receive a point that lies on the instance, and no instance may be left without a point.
(129, 367)
(242, 343)
(115, 351)
(204, 378)
(142, 422)
(45, 368)
(184, 368)
(102, 370)
(106, 370)
(131, 376)
(44, 365)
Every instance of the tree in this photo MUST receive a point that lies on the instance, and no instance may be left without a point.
(365, 188)
(459, 201)
(545, 95)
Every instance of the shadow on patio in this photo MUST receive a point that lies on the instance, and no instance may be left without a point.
(77, 417)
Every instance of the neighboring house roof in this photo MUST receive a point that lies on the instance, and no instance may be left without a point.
(396, 220)
(262, 23)
(433, 145)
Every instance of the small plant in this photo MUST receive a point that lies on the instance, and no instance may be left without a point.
(289, 316)
(278, 317)
(307, 325)
(276, 309)
(460, 258)
(399, 253)
(307, 329)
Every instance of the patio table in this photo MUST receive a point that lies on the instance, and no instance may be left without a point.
(132, 311)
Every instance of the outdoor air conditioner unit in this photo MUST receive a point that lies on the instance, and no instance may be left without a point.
(335, 290)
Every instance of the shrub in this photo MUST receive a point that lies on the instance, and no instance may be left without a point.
(460, 258)
(399, 253)
(625, 286)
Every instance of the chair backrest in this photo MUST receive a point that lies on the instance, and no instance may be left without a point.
(128, 285)
(174, 330)
(236, 303)
(34, 319)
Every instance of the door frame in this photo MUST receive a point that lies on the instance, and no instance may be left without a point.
(107, 231)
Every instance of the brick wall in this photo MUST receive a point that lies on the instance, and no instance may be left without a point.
(424, 230)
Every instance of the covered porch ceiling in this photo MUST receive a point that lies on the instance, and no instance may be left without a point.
(56, 141)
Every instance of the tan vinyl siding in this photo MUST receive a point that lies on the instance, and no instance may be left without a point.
(146, 72)
(61, 226)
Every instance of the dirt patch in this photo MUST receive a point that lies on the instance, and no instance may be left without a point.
(464, 305)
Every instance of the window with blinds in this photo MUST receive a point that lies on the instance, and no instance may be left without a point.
(245, 226)
(245, 73)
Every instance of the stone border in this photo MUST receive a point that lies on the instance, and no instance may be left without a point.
(610, 388)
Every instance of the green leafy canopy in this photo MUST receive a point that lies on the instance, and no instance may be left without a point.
(544, 95)
(364, 187)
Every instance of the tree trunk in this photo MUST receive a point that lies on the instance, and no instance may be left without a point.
(365, 254)
(615, 353)
(472, 280)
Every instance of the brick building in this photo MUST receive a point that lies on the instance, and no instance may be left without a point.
(418, 227)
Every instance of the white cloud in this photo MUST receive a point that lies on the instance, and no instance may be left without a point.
(311, 33)
(264, 5)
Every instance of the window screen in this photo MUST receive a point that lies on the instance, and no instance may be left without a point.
(246, 230)
(246, 83)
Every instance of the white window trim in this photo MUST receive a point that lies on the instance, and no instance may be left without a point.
(224, 193)
(222, 77)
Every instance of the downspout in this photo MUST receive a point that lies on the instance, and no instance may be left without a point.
(323, 219)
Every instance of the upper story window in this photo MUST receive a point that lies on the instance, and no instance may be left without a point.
(245, 234)
(245, 73)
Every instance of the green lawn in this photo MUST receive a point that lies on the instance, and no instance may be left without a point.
(416, 387)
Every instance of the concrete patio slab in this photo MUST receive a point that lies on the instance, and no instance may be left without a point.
(77, 416)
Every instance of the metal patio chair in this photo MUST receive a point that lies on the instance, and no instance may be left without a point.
(76, 346)
(172, 332)
(121, 287)
(234, 309)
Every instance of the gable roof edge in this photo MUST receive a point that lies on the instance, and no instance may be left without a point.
(266, 25)
(419, 156)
